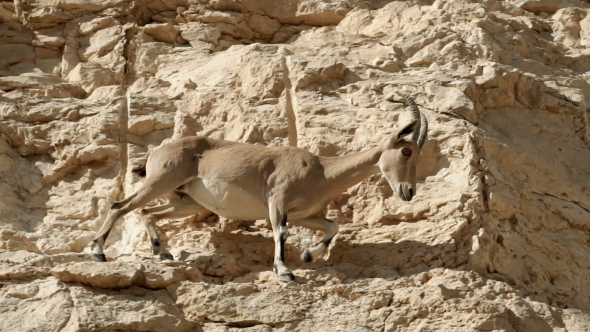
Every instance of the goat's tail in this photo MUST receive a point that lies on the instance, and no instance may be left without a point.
(140, 170)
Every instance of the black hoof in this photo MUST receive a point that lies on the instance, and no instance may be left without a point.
(286, 277)
(99, 257)
(166, 256)
(306, 256)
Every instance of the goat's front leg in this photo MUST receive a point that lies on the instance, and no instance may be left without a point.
(278, 220)
(118, 210)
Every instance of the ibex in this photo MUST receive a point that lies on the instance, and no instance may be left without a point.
(250, 182)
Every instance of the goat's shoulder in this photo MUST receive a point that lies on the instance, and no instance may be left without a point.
(296, 161)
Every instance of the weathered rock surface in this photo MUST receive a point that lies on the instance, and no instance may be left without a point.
(497, 238)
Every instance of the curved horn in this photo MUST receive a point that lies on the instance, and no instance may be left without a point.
(423, 130)
(416, 115)
(419, 136)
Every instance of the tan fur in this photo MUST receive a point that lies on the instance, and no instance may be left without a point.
(248, 182)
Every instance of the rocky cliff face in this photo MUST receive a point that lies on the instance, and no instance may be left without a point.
(497, 239)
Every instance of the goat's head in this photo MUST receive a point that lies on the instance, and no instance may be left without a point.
(399, 158)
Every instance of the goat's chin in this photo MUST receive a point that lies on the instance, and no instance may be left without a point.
(398, 190)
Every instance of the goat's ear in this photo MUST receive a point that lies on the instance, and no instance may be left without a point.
(405, 131)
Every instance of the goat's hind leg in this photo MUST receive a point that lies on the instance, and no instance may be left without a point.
(178, 206)
(150, 190)
(331, 229)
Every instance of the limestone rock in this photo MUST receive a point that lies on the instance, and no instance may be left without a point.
(264, 27)
(74, 308)
(496, 238)
(16, 53)
(47, 298)
(196, 32)
(116, 275)
(165, 32)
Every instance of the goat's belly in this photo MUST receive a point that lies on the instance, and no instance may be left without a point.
(227, 200)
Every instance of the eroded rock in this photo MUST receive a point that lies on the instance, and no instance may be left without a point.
(116, 275)
(495, 239)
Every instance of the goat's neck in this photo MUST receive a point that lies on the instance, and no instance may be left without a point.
(344, 172)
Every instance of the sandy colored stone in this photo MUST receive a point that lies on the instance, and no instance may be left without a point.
(165, 32)
(264, 26)
(116, 275)
(51, 37)
(92, 75)
(100, 43)
(54, 306)
(95, 24)
(42, 298)
(198, 32)
(15, 53)
(130, 309)
(496, 238)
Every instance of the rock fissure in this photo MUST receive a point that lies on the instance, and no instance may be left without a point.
(577, 203)
(290, 107)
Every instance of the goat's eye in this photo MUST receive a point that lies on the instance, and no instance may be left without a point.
(406, 152)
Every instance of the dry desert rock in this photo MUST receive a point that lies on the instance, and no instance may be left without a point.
(497, 239)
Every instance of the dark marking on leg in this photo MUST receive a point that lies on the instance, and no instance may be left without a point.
(166, 256)
(104, 237)
(282, 249)
(327, 242)
(156, 247)
(116, 205)
(283, 238)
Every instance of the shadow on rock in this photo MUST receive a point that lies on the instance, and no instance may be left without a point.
(237, 254)
(389, 259)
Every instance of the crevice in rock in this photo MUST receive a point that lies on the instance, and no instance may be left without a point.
(67, 322)
(565, 200)
(244, 324)
(128, 77)
(483, 170)
(174, 297)
(573, 225)
(289, 104)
